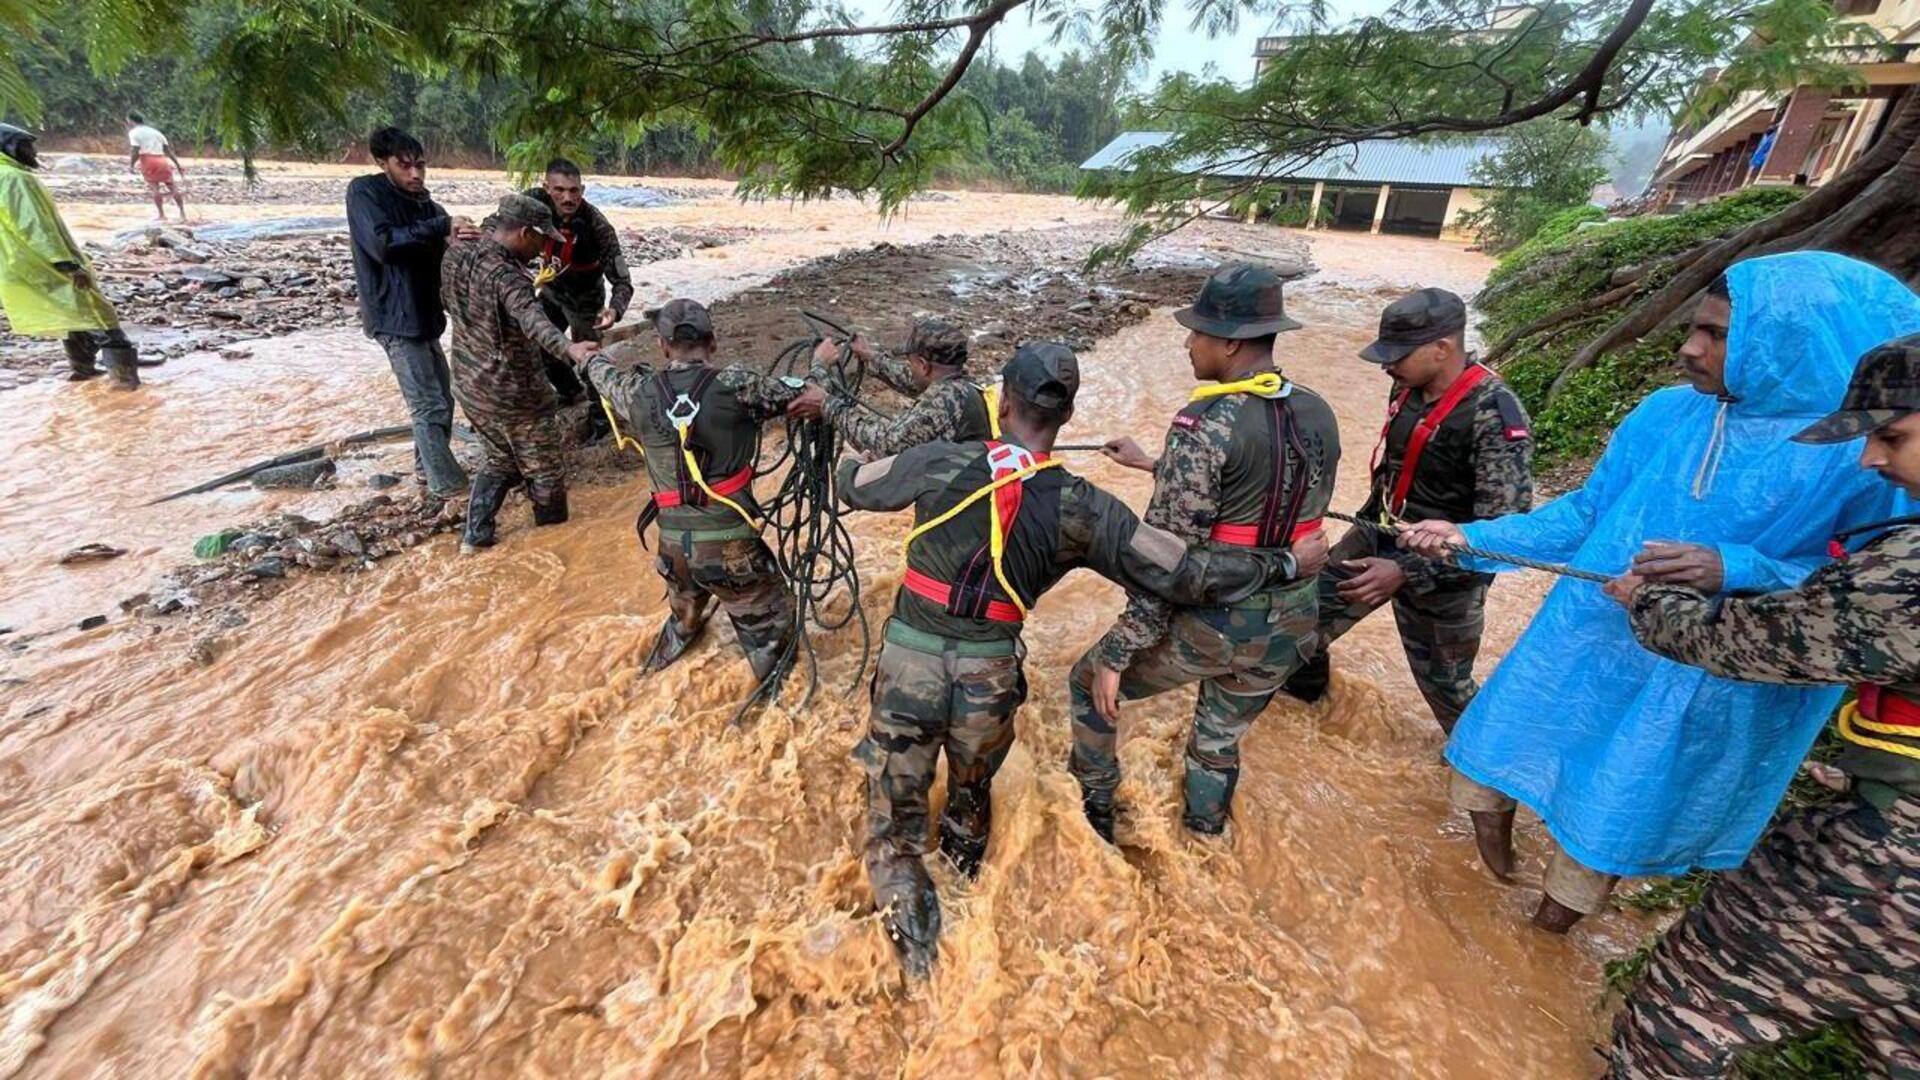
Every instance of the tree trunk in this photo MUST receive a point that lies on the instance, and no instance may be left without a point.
(1866, 212)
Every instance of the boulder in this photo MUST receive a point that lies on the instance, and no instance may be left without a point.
(301, 474)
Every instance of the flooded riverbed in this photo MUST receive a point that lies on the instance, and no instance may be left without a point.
(429, 819)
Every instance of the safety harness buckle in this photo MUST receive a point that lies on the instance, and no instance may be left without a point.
(681, 413)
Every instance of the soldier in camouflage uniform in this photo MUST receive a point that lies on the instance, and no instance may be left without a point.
(950, 672)
(1822, 923)
(499, 376)
(1248, 463)
(1456, 447)
(931, 369)
(591, 289)
(710, 546)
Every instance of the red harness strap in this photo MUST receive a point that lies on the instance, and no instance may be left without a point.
(1430, 423)
(1881, 706)
(1248, 535)
(727, 486)
(939, 592)
(1001, 460)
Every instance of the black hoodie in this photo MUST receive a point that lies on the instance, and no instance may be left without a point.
(398, 240)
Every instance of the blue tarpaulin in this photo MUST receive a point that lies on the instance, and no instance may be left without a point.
(1639, 765)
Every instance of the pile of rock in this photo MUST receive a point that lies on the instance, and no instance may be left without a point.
(164, 277)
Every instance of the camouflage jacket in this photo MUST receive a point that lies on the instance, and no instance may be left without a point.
(1200, 473)
(592, 240)
(952, 409)
(724, 435)
(1064, 523)
(1853, 621)
(499, 333)
(1498, 449)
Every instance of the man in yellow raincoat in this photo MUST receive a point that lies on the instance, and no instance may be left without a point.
(46, 283)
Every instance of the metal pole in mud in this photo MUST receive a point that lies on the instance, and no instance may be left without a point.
(1559, 569)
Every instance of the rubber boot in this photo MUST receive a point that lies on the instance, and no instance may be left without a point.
(910, 913)
(81, 350)
(549, 501)
(1309, 683)
(673, 643)
(122, 366)
(1555, 917)
(965, 826)
(489, 490)
(1099, 808)
(1209, 796)
(1493, 835)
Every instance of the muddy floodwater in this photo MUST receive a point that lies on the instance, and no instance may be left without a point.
(429, 819)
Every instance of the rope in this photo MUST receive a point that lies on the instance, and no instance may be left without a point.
(1560, 569)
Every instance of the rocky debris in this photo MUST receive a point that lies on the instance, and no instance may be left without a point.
(381, 481)
(87, 553)
(92, 622)
(300, 474)
(642, 246)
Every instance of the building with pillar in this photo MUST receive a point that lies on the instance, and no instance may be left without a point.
(1380, 186)
(1803, 137)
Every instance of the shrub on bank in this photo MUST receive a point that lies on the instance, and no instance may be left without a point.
(1565, 264)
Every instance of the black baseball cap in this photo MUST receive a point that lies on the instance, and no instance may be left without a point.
(1885, 387)
(1043, 373)
(1239, 301)
(1414, 320)
(683, 322)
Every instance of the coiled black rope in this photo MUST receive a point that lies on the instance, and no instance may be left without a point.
(811, 545)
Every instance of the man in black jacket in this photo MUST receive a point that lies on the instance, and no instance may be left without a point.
(399, 235)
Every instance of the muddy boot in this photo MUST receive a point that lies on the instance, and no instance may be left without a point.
(1209, 795)
(910, 913)
(1493, 835)
(81, 349)
(1555, 917)
(489, 490)
(965, 826)
(672, 644)
(1099, 808)
(1309, 683)
(549, 501)
(122, 366)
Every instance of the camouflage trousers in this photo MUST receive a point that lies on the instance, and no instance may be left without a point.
(743, 576)
(926, 701)
(1822, 924)
(1439, 629)
(517, 448)
(1240, 656)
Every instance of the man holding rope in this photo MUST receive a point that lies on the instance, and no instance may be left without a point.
(1457, 447)
(932, 370)
(1636, 764)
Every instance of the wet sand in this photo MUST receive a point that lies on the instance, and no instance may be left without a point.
(429, 819)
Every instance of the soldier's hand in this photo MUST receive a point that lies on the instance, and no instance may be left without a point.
(1431, 539)
(862, 348)
(1106, 693)
(1125, 451)
(826, 352)
(809, 404)
(582, 351)
(1691, 565)
(1621, 589)
(1310, 555)
(1373, 583)
(606, 319)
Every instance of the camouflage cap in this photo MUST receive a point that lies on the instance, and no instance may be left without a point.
(519, 210)
(1043, 373)
(1239, 301)
(938, 342)
(682, 321)
(1414, 320)
(1884, 388)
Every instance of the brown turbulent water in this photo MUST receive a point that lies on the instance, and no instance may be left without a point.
(429, 821)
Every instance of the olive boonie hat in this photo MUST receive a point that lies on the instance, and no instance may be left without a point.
(683, 321)
(1239, 301)
(938, 341)
(532, 213)
(1884, 388)
(1414, 320)
(1043, 373)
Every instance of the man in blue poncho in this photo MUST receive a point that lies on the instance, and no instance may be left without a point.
(1637, 764)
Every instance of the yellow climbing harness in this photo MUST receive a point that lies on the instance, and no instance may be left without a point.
(991, 395)
(681, 417)
(620, 439)
(1267, 384)
(1850, 721)
(996, 541)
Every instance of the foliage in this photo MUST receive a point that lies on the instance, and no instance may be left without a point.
(1554, 230)
(1542, 169)
(1666, 894)
(1828, 1053)
(1539, 279)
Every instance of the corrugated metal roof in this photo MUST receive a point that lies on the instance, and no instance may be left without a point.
(1384, 161)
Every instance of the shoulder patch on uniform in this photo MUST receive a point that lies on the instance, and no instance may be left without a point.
(1187, 421)
(1158, 546)
(1512, 417)
(873, 471)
